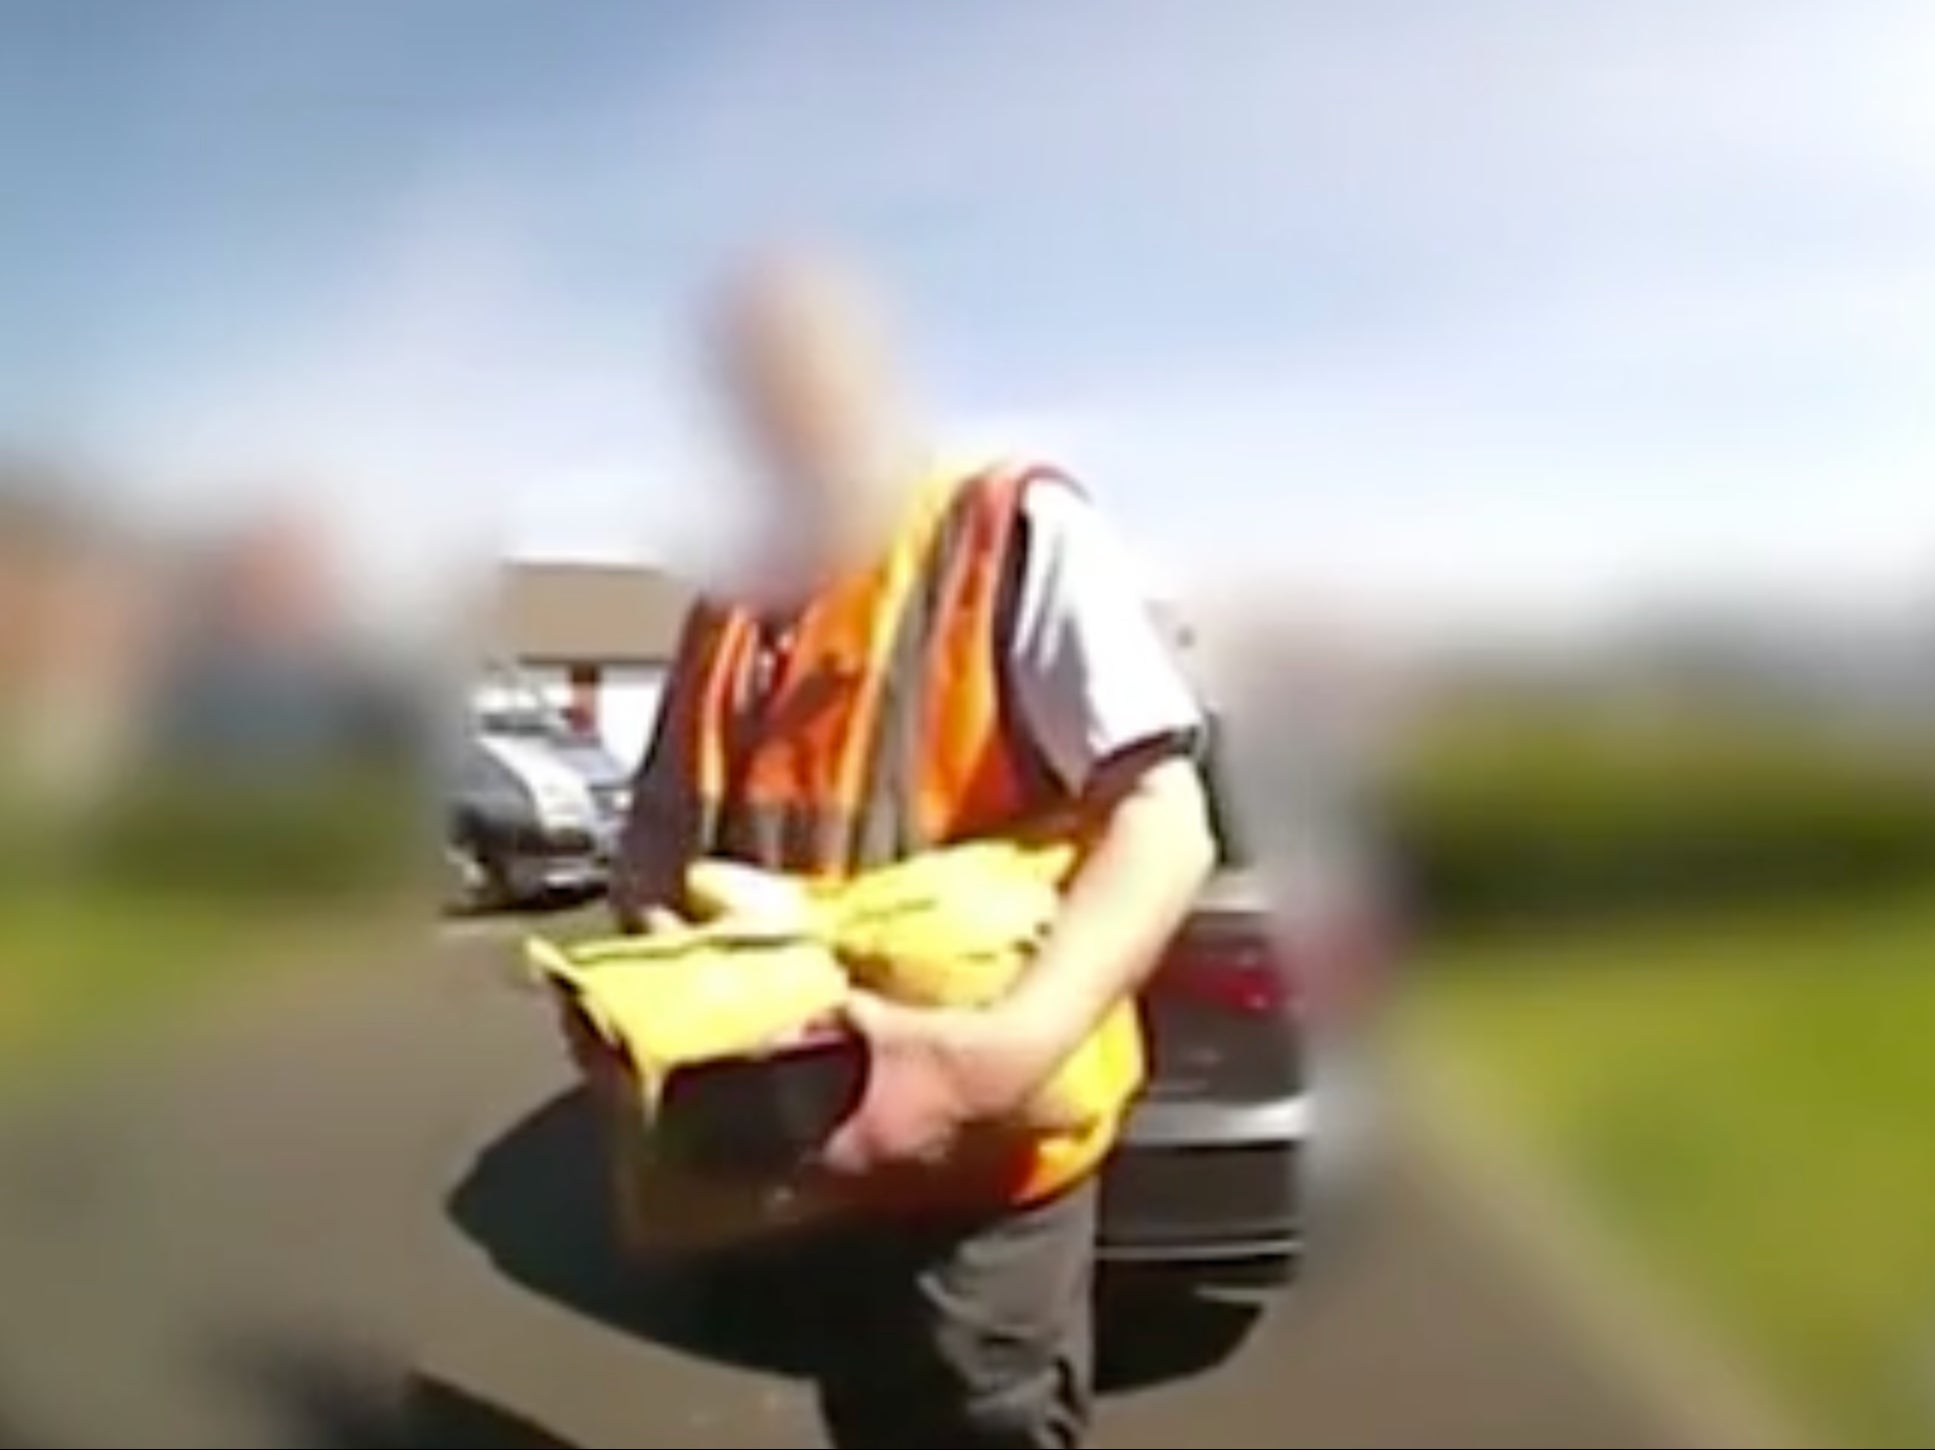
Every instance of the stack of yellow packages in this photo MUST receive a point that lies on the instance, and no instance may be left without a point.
(767, 964)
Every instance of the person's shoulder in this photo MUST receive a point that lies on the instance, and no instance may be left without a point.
(1054, 499)
(1043, 494)
(1072, 543)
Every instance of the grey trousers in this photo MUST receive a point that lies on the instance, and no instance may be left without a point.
(964, 1334)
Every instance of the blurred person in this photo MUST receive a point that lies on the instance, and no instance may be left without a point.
(261, 671)
(921, 654)
(280, 764)
(266, 676)
(276, 579)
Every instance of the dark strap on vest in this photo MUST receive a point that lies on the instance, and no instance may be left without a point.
(885, 825)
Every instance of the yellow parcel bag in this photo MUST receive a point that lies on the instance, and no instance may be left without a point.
(773, 957)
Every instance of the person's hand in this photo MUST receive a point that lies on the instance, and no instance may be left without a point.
(634, 892)
(630, 916)
(935, 1076)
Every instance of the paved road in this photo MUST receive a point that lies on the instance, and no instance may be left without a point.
(379, 1201)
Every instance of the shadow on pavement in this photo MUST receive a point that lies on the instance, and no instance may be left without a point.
(313, 1402)
(14, 1434)
(324, 1399)
(441, 1414)
(536, 1202)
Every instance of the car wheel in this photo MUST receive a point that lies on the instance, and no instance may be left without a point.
(475, 879)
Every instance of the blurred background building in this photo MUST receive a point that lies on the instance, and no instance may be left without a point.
(595, 639)
(80, 602)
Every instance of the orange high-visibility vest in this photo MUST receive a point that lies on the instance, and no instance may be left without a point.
(886, 731)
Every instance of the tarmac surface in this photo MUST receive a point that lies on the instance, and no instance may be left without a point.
(375, 1218)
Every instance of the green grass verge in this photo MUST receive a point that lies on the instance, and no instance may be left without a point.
(92, 972)
(82, 962)
(1748, 1103)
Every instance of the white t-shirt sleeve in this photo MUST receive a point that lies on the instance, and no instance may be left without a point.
(1088, 664)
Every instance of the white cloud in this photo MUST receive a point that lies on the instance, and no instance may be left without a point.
(1596, 302)
(449, 407)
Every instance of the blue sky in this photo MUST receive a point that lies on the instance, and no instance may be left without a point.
(1454, 311)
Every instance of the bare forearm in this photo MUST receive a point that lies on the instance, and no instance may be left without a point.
(1133, 892)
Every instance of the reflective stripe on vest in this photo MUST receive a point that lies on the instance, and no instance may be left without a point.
(843, 765)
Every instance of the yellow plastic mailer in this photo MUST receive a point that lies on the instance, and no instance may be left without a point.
(773, 957)
(666, 1002)
(675, 999)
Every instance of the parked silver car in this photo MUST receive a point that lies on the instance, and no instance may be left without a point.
(1215, 1171)
(534, 805)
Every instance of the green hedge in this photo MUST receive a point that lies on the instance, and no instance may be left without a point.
(1545, 813)
(318, 835)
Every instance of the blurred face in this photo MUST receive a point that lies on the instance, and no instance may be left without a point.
(809, 385)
